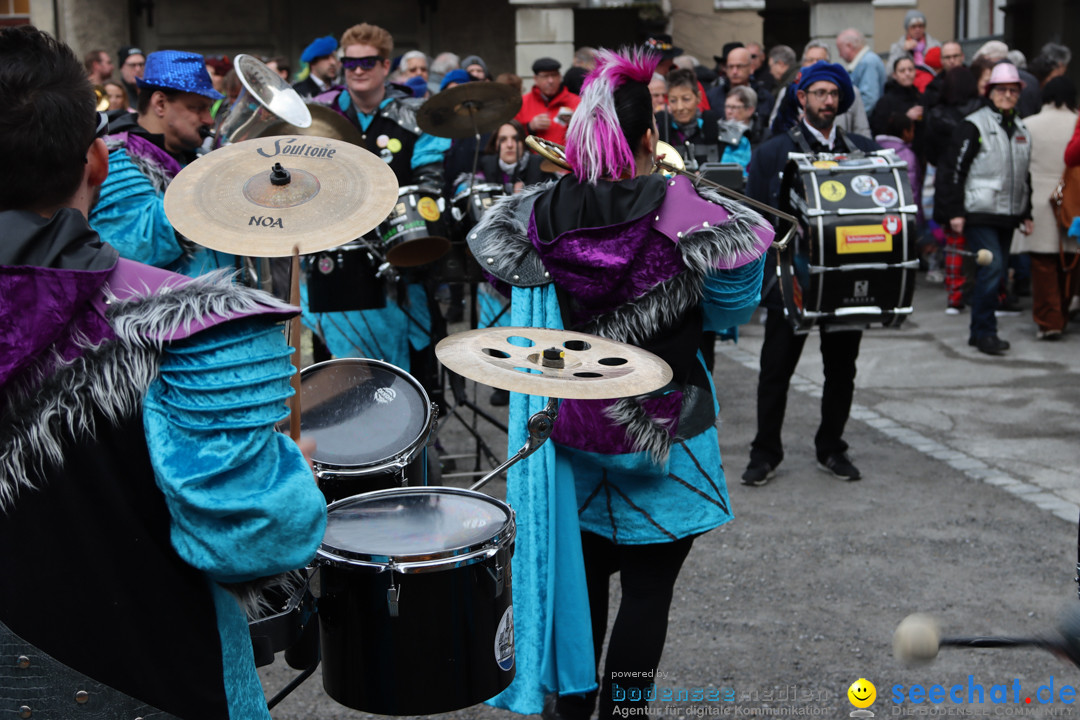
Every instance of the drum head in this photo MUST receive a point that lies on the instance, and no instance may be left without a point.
(361, 412)
(414, 524)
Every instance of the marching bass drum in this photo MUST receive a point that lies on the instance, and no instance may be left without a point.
(417, 231)
(414, 597)
(856, 263)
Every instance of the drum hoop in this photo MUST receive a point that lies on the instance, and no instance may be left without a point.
(406, 454)
(434, 561)
(479, 188)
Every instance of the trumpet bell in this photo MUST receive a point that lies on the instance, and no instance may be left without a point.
(265, 99)
(670, 157)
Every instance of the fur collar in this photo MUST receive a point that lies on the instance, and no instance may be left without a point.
(37, 420)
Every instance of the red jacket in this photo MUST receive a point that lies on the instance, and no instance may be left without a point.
(533, 104)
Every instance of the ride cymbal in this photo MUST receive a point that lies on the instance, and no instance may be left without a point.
(470, 109)
(324, 123)
(235, 199)
(590, 367)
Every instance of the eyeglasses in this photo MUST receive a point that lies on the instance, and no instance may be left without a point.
(821, 94)
(741, 66)
(363, 63)
(735, 107)
(1006, 90)
(134, 64)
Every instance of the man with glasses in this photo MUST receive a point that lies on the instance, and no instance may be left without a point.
(146, 151)
(824, 91)
(547, 108)
(759, 69)
(738, 69)
(132, 64)
(138, 453)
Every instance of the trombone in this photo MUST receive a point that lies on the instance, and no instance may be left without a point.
(556, 155)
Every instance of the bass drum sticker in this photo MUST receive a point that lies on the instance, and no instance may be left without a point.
(884, 196)
(864, 184)
(504, 640)
(833, 191)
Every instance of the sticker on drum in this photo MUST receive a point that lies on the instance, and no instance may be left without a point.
(864, 184)
(428, 209)
(891, 223)
(862, 239)
(504, 641)
(833, 191)
(884, 196)
(825, 163)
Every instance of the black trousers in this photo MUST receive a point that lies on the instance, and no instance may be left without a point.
(647, 575)
(780, 355)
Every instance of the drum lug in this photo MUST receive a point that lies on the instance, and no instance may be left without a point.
(499, 576)
(393, 594)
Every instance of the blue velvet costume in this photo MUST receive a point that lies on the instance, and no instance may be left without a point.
(659, 262)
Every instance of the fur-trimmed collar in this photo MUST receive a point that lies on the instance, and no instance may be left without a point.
(37, 419)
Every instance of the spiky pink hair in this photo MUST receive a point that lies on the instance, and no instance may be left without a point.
(595, 145)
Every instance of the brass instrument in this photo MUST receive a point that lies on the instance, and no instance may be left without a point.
(265, 99)
(101, 98)
(556, 155)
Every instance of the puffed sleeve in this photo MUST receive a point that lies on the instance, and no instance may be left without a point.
(242, 499)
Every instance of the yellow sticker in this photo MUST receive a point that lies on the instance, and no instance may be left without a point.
(428, 209)
(394, 145)
(825, 163)
(833, 191)
(863, 239)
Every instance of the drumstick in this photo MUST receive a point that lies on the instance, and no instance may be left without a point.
(294, 340)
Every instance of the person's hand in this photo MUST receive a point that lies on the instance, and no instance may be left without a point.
(1027, 226)
(540, 123)
(915, 112)
(910, 43)
(307, 446)
(518, 187)
(957, 225)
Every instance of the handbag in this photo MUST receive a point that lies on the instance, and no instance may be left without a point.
(1065, 198)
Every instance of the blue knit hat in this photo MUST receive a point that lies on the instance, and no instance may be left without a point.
(418, 85)
(458, 76)
(319, 47)
(822, 71)
(177, 70)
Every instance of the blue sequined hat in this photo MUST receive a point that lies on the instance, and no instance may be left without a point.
(178, 70)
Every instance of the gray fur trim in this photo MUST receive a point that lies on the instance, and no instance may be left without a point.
(112, 377)
(646, 433)
(254, 595)
(502, 237)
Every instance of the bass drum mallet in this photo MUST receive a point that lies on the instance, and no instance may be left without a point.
(918, 638)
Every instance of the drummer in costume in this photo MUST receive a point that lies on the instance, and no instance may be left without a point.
(824, 91)
(385, 114)
(618, 252)
(143, 489)
(146, 151)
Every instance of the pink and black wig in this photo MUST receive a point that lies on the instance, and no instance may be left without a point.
(615, 111)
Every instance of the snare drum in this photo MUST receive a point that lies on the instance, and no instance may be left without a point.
(414, 600)
(470, 206)
(859, 265)
(417, 231)
(370, 421)
(345, 278)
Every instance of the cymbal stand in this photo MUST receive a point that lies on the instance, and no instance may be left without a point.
(540, 426)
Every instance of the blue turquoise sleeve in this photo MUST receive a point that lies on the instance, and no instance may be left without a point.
(130, 215)
(731, 296)
(242, 499)
(429, 149)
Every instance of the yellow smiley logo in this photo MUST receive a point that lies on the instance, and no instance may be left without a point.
(428, 209)
(862, 693)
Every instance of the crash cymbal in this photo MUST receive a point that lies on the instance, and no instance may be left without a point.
(593, 368)
(469, 109)
(324, 123)
(232, 200)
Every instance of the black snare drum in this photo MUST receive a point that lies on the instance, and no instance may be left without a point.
(414, 600)
(417, 231)
(857, 264)
(370, 421)
(345, 278)
(470, 205)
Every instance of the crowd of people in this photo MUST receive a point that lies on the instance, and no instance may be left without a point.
(212, 496)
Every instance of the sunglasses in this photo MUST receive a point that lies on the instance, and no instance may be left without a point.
(363, 63)
(102, 125)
